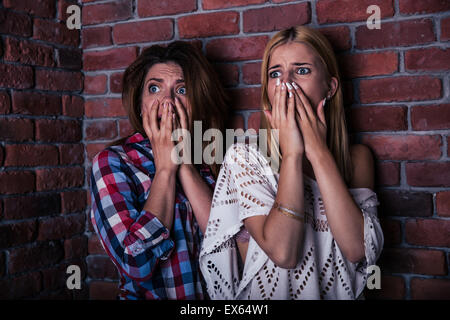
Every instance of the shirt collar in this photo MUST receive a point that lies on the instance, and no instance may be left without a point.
(137, 138)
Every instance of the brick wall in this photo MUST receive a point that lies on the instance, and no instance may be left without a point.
(42, 176)
(396, 86)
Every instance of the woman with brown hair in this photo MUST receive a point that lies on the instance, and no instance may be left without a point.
(309, 230)
(150, 212)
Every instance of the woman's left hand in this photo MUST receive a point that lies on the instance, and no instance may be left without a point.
(313, 125)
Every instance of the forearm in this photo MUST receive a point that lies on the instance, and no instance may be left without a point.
(281, 236)
(161, 199)
(344, 216)
(198, 193)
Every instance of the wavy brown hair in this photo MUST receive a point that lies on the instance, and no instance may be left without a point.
(337, 137)
(204, 90)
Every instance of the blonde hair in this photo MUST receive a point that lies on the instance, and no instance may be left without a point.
(337, 138)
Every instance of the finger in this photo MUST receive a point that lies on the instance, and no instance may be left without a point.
(269, 116)
(310, 112)
(164, 118)
(146, 122)
(321, 111)
(300, 108)
(275, 111)
(181, 113)
(282, 103)
(153, 117)
(290, 114)
(169, 125)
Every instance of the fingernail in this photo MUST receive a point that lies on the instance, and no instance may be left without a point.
(290, 93)
(294, 85)
(324, 101)
(289, 86)
(283, 86)
(278, 82)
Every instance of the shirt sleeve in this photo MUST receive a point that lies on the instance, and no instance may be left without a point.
(134, 239)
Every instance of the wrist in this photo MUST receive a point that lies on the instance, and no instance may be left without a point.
(320, 156)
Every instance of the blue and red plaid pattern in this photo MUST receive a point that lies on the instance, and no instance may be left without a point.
(153, 262)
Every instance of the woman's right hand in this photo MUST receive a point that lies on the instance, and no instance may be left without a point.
(160, 136)
(283, 118)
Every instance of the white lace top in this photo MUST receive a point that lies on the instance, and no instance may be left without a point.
(246, 187)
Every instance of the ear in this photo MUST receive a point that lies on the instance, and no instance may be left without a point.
(333, 84)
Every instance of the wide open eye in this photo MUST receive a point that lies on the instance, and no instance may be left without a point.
(181, 90)
(275, 74)
(303, 71)
(153, 89)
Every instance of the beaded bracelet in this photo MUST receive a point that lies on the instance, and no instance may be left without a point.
(289, 212)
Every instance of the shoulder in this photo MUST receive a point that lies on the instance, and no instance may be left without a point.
(107, 160)
(363, 167)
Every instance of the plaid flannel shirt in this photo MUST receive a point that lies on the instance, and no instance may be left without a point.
(153, 262)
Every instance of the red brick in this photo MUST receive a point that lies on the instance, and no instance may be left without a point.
(12, 182)
(117, 58)
(448, 144)
(97, 108)
(100, 130)
(103, 290)
(392, 288)
(15, 23)
(430, 289)
(445, 29)
(208, 24)
(25, 207)
(55, 32)
(94, 245)
(443, 203)
(151, 8)
(330, 11)
(73, 106)
(368, 64)
(245, 98)
(405, 147)
(405, 203)
(388, 173)
(400, 89)
(18, 130)
(36, 256)
(219, 4)
(76, 247)
(251, 73)
(59, 80)
(58, 130)
(424, 6)
(27, 52)
(62, 9)
(95, 84)
(228, 74)
(26, 155)
(115, 82)
(40, 8)
(419, 261)
(100, 267)
(17, 77)
(125, 128)
(429, 59)
(237, 122)
(13, 234)
(70, 58)
(133, 32)
(433, 174)
(276, 17)
(5, 102)
(71, 154)
(96, 37)
(428, 232)
(379, 118)
(236, 49)
(433, 117)
(107, 12)
(254, 121)
(59, 178)
(73, 201)
(392, 231)
(35, 103)
(339, 37)
(1, 164)
(61, 227)
(22, 286)
(92, 149)
(395, 34)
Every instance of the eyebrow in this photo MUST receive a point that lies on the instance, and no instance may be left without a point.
(295, 64)
(161, 80)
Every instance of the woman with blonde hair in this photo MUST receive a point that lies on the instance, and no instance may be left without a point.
(310, 229)
(149, 211)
